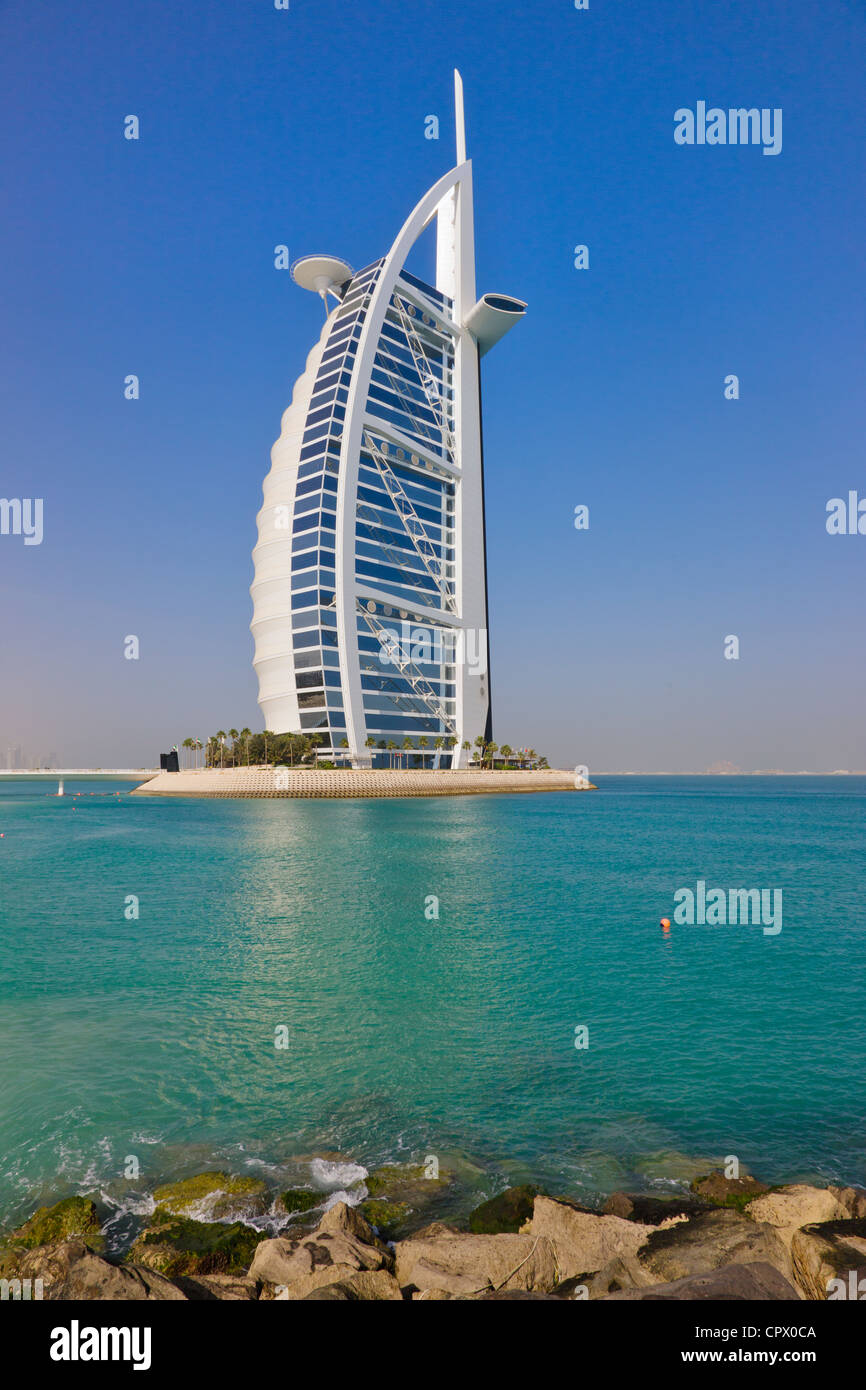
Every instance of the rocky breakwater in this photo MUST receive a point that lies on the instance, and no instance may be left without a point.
(732, 1239)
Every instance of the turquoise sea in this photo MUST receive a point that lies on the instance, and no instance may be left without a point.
(408, 1034)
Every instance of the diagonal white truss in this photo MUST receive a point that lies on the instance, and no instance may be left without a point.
(425, 372)
(370, 522)
(398, 385)
(408, 670)
(413, 524)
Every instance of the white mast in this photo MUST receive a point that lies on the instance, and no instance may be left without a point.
(460, 120)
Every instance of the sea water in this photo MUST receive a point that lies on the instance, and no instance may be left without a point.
(266, 985)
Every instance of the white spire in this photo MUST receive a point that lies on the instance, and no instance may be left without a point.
(460, 120)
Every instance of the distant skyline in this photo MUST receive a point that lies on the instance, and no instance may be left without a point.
(156, 257)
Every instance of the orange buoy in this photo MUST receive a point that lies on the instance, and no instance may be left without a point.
(665, 924)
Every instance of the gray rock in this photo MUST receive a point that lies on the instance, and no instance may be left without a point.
(72, 1271)
(204, 1288)
(369, 1286)
(341, 1245)
(827, 1252)
(584, 1241)
(651, 1211)
(789, 1208)
(734, 1283)
(467, 1264)
(852, 1199)
(515, 1295)
(708, 1242)
(625, 1272)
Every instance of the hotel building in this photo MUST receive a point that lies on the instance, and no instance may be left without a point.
(370, 593)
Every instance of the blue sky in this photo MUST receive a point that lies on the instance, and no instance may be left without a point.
(261, 127)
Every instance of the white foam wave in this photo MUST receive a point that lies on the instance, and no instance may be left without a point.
(334, 1177)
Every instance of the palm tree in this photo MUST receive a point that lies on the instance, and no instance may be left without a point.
(370, 742)
(344, 743)
(391, 745)
(423, 743)
(221, 739)
(267, 735)
(189, 744)
(492, 750)
(437, 744)
(296, 745)
(246, 735)
(506, 750)
(233, 735)
(479, 744)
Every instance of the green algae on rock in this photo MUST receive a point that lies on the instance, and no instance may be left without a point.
(382, 1181)
(735, 1193)
(213, 1197)
(174, 1245)
(300, 1199)
(504, 1213)
(73, 1216)
(412, 1189)
(389, 1218)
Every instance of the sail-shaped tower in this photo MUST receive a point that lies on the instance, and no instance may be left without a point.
(369, 592)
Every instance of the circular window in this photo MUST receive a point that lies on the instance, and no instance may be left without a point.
(371, 607)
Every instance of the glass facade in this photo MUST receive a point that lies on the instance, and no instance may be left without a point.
(404, 530)
(314, 618)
